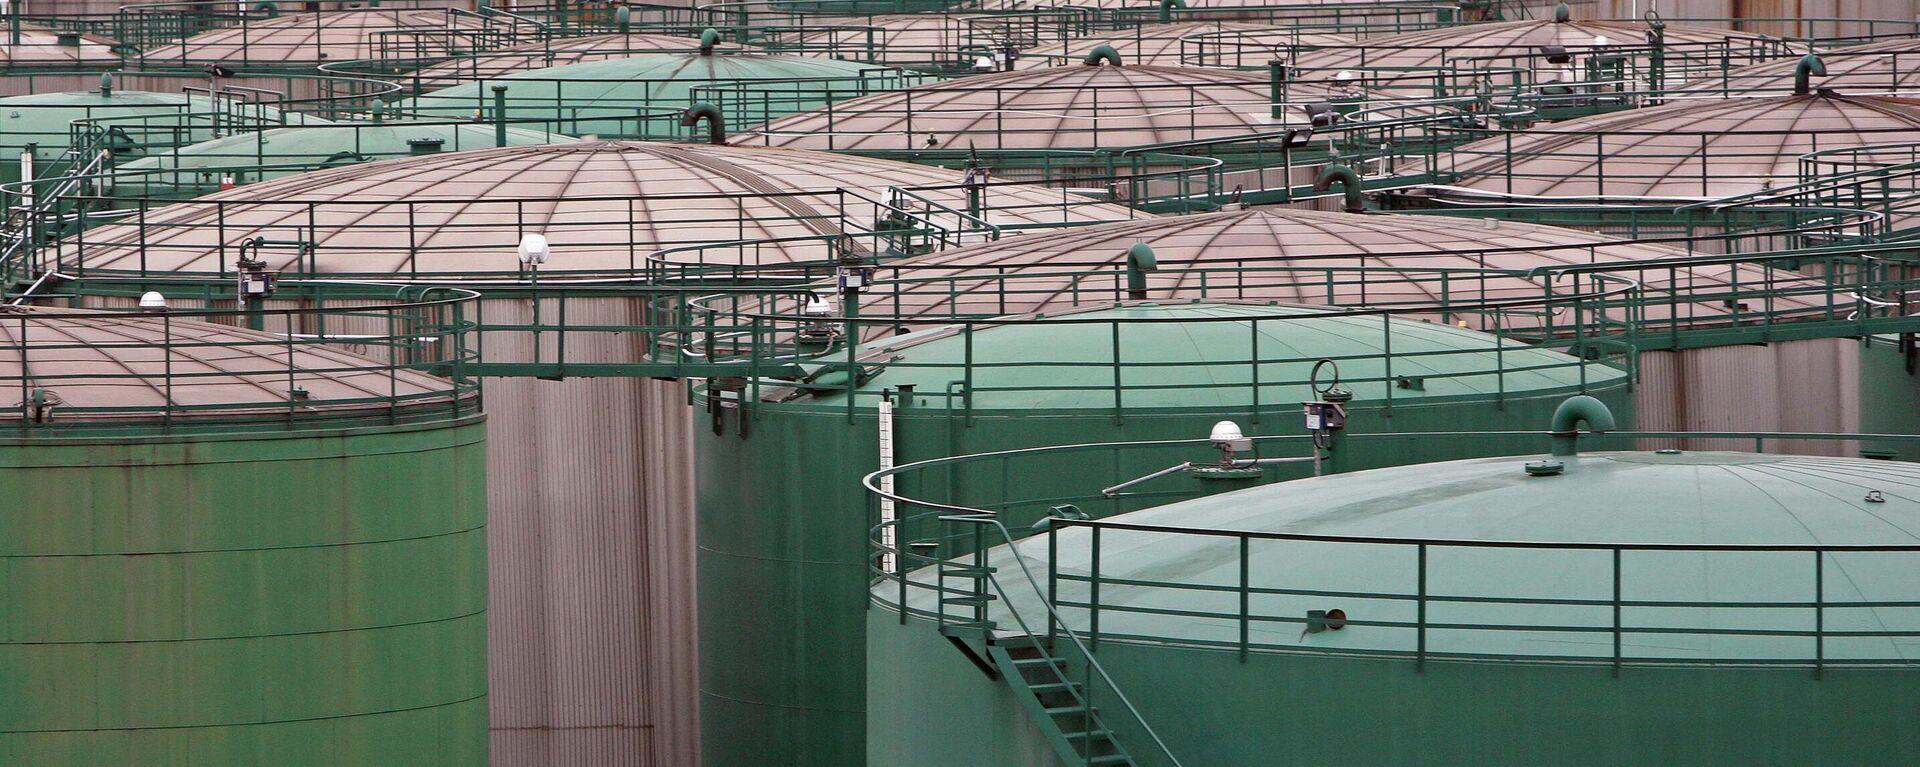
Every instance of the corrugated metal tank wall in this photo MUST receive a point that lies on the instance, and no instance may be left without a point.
(1710, 12)
(1795, 386)
(590, 502)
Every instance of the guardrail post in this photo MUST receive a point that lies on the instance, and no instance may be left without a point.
(1244, 611)
(1616, 611)
(1819, 614)
(1093, 593)
(1420, 614)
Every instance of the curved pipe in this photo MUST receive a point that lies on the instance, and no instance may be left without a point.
(1573, 412)
(1140, 260)
(1562, 14)
(1803, 73)
(106, 84)
(1166, 9)
(716, 123)
(623, 19)
(709, 38)
(1102, 53)
(1349, 182)
(268, 7)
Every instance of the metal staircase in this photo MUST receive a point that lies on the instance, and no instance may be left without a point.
(1058, 705)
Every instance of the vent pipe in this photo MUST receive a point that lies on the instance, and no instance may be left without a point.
(1166, 9)
(1102, 54)
(1140, 260)
(1349, 182)
(1803, 73)
(709, 38)
(1571, 414)
(716, 123)
(1562, 14)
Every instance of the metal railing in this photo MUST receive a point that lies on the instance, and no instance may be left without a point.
(1253, 593)
(326, 354)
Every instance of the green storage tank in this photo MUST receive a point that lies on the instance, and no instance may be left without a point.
(223, 547)
(1612, 608)
(135, 122)
(252, 156)
(782, 520)
(642, 96)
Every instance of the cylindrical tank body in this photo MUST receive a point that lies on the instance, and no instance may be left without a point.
(782, 522)
(591, 588)
(1612, 609)
(269, 555)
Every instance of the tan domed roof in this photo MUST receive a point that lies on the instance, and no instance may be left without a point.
(552, 53)
(1036, 273)
(604, 205)
(1688, 150)
(1515, 43)
(1069, 107)
(100, 366)
(909, 38)
(46, 48)
(1165, 44)
(317, 37)
(1882, 67)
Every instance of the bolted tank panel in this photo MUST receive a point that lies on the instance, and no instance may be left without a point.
(784, 557)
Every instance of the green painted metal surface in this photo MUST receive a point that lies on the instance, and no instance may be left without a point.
(1745, 592)
(296, 598)
(260, 155)
(641, 96)
(133, 123)
(1889, 391)
(783, 522)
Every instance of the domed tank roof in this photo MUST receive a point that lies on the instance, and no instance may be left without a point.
(1067, 107)
(111, 367)
(315, 37)
(1039, 272)
(638, 95)
(1885, 66)
(1687, 150)
(254, 152)
(604, 205)
(552, 53)
(897, 38)
(1163, 45)
(1197, 355)
(46, 119)
(40, 47)
(1521, 41)
(1551, 565)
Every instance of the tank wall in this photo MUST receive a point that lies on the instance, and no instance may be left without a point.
(298, 599)
(591, 586)
(1214, 710)
(1795, 386)
(930, 711)
(1890, 394)
(783, 528)
(1743, 14)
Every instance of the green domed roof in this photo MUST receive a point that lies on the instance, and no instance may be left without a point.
(650, 84)
(301, 148)
(1199, 356)
(46, 119)
(1688, 600)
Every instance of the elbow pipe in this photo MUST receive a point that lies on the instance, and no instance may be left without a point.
(1349, 182)
(1166, 9)
(106, 84)
(1573, 412)
(1562, 14)
(709, 38)
(623, 19)
(716, 123)
(1103, 53)
(1803, 73)
(1140, 260)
